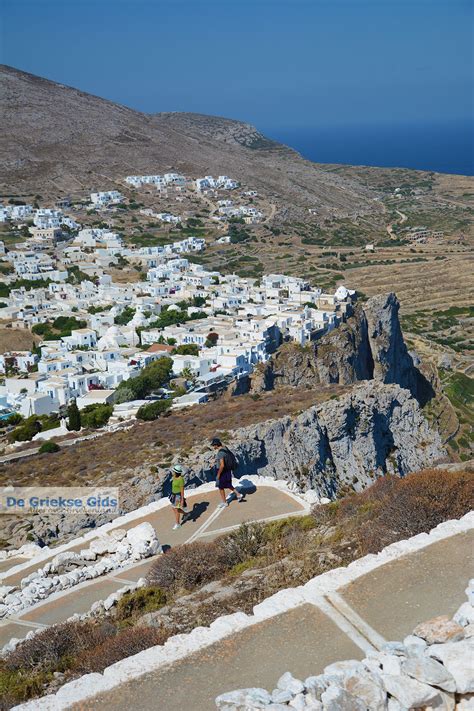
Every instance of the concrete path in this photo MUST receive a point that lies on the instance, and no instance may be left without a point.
(384, 604)
(205, 523)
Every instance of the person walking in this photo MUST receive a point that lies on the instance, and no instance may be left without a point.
(178, 502)
(226, 465)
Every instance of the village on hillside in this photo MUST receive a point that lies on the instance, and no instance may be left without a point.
(118, 349)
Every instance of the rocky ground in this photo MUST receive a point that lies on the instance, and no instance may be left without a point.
(331, 440)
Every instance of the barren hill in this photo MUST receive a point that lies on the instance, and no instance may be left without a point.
(58, 139)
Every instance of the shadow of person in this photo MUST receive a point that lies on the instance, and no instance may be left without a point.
(245, 486)
(197, 510)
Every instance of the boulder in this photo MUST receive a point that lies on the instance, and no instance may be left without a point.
(367, 688)
(469, 631)
(465, 615)
(298, 702)
(348, 666)
(281, 696)
(315, 685)
(252, 698)
(117, 534)
(102, 545)
(438, 630)
(143, 532)
(287, 682)
(466, 703)
(414, 645)
(429, 671)
(311, 497)
(337, 699)
(443, 702)
(409, 692)
(457, 658)
(397, 648)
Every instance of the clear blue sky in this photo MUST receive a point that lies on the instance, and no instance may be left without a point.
(276, 63)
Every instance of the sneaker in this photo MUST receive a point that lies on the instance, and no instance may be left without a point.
(240, 498)
(222, 505)
(176, 526)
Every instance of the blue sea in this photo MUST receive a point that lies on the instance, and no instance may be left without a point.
(442, 147)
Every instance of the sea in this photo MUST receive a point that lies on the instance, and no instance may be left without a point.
(442, 147)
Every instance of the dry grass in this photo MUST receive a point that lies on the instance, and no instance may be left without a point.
(109, 457)
(253, 562)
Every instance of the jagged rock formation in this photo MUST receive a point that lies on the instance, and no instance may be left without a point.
(369, 345)
(343, 443)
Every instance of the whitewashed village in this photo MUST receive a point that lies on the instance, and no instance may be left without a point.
(96, 334)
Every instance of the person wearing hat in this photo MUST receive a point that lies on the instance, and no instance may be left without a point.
(178, 502)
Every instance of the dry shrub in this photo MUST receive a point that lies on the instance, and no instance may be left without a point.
(245, 542)
(186, 567)
(124, 644)
(394, 509)
(51, 648)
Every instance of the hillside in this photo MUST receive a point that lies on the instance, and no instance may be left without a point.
(60, 139)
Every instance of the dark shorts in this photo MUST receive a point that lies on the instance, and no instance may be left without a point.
(225, 480)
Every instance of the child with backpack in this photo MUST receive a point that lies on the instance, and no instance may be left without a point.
(226, 465)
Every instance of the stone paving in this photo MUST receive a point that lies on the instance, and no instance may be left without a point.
(416, 587)
(379, 606)
(304, 638)
(264, 503)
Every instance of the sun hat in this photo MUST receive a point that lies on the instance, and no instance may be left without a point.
(178, 469)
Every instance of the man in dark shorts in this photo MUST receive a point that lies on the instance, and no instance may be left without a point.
(225, 465)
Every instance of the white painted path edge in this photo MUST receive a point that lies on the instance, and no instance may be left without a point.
(180, 646)
(45, 553)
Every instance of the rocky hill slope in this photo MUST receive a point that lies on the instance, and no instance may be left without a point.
(341, 444)
(58, 139)
(369, 345)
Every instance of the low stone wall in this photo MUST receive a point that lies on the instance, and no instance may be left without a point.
(179, 646)
(67, 569)
(433, 668)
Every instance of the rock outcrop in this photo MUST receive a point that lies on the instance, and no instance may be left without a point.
(368, 346)
(347, 442)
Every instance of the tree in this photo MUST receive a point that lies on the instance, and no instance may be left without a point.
(49, 448)
(95, 416)
(187, 374)
(187, 349)
(151, 378)
(125, 317)
(153, 410)
(211, 339)
(14, 419)
(74, 417)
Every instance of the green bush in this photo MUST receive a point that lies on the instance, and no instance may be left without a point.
(153, 410)
(187, 349)
(151, 378)
(49, 448)
(134, 604)
(125, 317)
(95, 416)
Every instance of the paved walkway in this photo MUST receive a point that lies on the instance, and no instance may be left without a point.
(381, 605)
(206, 522)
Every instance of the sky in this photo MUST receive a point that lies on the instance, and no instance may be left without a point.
(279, 64)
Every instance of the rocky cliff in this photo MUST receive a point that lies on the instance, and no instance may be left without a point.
(369, 345)
(341, 444)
